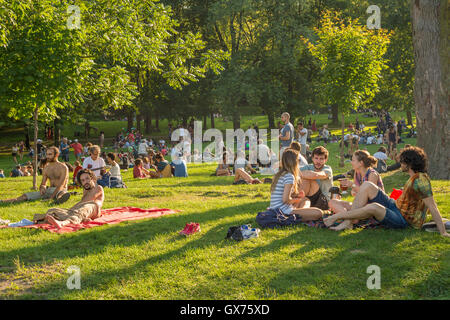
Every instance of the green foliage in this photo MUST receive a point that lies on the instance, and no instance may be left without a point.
(351, 60)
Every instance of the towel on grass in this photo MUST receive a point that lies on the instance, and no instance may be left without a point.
(109, 216)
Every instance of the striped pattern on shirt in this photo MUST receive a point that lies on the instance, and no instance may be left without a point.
(276, 198)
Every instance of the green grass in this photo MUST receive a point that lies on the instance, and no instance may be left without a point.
(147, 259)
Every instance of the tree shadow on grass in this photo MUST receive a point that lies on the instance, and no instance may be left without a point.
(97, 279)
(343, 274)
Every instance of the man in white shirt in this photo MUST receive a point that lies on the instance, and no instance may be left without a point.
(95, 163)
(263, 153)
(302, 133)
(381, 154)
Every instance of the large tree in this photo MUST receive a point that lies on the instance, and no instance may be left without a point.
(430, 19)
(351, 61)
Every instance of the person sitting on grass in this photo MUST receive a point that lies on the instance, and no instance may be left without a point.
(77, 168)
(223, 168)
(242, 163)
(317, 179)
(286, 197)
(89, 207)
(16, 172)
(410, 209)
(138, 170)
(301, 159)
(362, 164)
(179, 164)
(95, 163)
(113, 175)
(57, 173)
(162, 166)
(25, 172)
(2, 174)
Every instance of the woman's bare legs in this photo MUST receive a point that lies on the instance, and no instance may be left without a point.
(338, 206)
(308, 214)
(360, 209)
(241, 174)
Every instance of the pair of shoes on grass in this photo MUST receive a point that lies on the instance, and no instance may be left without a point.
(190, 228)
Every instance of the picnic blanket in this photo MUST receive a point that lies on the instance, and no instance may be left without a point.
(109, 216)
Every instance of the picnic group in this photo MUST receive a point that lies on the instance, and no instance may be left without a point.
(301, 188)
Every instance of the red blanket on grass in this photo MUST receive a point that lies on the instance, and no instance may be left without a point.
(109, 216)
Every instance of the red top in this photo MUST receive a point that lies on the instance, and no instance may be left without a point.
(75, 172)
(77, 147)
(138, 173)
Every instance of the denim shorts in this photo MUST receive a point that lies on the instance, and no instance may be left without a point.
(393, 218)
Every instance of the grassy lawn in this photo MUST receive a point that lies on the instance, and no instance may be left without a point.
(147, 259)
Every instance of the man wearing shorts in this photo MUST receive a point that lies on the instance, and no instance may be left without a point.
(410, 209)
(57, 173)
(317, 179)
(89, 207)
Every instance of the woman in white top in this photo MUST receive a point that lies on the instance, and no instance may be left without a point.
(115, 168)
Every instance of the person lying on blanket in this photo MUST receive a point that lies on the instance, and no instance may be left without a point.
(410, 209)
(89, 207)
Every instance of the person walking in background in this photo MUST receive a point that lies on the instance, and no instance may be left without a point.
(64, 149)
(77, 149)
(14, 151)
(102, 139)
(287, 133)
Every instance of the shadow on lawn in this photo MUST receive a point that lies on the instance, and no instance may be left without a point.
(93, 241)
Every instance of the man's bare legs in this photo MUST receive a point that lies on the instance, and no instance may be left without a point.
(360, 209)
(310, 187)
(14, 200)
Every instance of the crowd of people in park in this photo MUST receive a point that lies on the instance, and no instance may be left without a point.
(301, 189)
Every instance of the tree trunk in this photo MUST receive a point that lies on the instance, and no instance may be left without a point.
(57, 132)
(157, 121)
(335, 114)
(341, 162)
(236, 119)
(213, 125)
(271, 117)
(130, 119)
(432, 74)
(147, 121)
(205, 123)
(35, 156)
(409, 118)
(138, 122)
(86, 129)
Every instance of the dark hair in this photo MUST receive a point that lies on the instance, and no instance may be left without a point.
(366, 158)
(137, 162)
(415, 158)
(382, 149)
(85, 171)
(159, 155)
(111, 156)
(295, 145)
(320, 151)
(299, 123)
